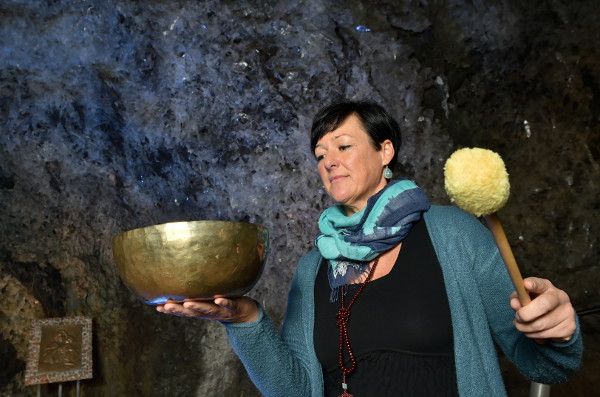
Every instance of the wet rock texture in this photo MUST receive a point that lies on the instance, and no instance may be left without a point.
(120, 114)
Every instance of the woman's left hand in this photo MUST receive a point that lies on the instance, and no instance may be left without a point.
(549, 315)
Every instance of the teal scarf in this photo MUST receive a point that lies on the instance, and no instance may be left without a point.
(350, 242)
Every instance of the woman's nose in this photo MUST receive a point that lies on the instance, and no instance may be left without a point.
(331, 162)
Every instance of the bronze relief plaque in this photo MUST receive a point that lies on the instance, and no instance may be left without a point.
(60, 350)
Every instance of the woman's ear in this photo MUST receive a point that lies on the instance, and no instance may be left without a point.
(387, 151)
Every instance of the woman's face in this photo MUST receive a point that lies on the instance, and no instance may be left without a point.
(350, 167)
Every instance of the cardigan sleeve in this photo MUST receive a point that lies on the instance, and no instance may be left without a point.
(276, 362)
(548, 363)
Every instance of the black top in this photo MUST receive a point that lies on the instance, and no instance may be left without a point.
(400, 328)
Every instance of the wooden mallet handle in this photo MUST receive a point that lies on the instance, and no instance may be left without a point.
(509, 259)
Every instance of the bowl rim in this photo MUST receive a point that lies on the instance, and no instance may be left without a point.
(125, 232)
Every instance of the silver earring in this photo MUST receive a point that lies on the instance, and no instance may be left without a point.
(387, 173)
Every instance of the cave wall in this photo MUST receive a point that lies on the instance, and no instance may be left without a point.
(121, 114)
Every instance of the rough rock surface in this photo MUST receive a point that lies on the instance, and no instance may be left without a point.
(120, 114)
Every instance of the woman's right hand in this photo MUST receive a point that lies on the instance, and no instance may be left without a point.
(229, 310)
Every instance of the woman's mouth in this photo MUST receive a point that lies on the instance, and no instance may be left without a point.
(335, 178)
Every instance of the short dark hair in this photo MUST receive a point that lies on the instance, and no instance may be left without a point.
(376, 121)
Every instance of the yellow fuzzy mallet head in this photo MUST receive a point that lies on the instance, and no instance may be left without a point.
(476, 180)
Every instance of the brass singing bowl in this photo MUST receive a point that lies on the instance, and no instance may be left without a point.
(191, 260)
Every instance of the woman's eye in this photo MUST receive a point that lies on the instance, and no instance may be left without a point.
(319, 157)
(345, 147)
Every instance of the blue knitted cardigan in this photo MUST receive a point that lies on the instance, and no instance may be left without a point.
(478, 287)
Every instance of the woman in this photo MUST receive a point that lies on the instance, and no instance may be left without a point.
(398, 297)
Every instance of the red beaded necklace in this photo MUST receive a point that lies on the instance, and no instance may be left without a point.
(342, 318)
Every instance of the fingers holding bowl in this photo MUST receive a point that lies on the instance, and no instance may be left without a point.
(201, 309)
(220, 309)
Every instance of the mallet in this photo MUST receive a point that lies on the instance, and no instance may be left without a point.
(476, 180)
